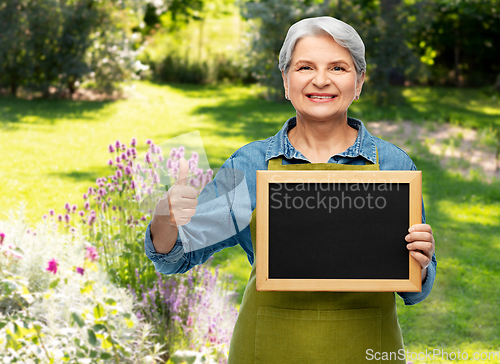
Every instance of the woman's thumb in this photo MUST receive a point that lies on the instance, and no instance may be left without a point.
(183, 172)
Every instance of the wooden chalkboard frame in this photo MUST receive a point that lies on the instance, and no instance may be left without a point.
(265, 177)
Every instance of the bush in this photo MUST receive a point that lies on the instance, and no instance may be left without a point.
(57, 304)
(49, 44)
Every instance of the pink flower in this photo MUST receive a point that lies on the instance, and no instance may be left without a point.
(110, 162)
(149, 141)
(86, 206)
(91, 191)
(73, 208)
(44, 216)
(2, 237)
(189, 321)
(52, 266)
(59, 217)
(80, 270)
(66, 218)
(133, 142)
(102, 192)
(66, 206)
(119, 174)
(124, 146)
(91, 219)
(123, 156)
(85, 196)
(111, 149)
(51, 212)
(91, 253)
(148, 158)
(81, 213)
(104, 206)
(117, 159)
(118, 144)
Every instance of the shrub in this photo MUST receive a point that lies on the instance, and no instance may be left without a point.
(57, 305)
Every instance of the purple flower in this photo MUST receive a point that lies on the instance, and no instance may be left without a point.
(67, 218)
(124, 146)
(102, 192)
(51, 212)
(52, 266)
(91, 191)
(149, 141)
(110, 162)
(123, 156)
(118, 159)
(119, 174)
(81, 213)
(44, 216)
(104, 206)
(91, 219)
(128, 171)
(132, 185)
(59, 217)
(86, 206)
(111, 149)
(80, 270)
(133, 142)
(118, 144)
(2, 237)
(73, 208)
(85, 196)
(147, 158)
(91, 253)
(66, 206)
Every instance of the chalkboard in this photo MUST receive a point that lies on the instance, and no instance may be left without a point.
(337, 230)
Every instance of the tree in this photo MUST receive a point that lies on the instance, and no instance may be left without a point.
(60, 43)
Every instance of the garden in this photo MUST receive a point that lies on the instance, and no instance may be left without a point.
(81, 151)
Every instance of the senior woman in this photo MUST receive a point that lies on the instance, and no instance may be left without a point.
(323, 68)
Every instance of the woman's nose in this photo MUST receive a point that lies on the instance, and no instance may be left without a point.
(321, 79)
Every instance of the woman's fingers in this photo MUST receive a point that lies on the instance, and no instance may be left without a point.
(422, 259)
(421, 243)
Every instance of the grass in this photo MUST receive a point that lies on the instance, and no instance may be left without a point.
(54, 150)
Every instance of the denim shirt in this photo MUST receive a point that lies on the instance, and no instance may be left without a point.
(225, 205)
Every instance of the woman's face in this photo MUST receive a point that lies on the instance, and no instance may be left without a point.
(322, 80)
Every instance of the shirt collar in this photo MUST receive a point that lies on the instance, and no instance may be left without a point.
(364, 145)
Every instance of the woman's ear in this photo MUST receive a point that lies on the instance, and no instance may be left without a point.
(359, 83)
(285, 82)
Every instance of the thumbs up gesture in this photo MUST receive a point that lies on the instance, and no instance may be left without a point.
(180, 201)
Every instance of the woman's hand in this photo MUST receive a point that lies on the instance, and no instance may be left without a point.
(421, 245)
(179, 203)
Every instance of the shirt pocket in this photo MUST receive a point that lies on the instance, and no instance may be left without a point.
(321, 337)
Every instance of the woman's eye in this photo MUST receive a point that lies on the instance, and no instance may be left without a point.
(338, 68)
(307, 68)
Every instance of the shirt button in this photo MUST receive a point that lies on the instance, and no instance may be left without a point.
(336, 159)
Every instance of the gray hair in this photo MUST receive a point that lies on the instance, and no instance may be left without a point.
(345, 35)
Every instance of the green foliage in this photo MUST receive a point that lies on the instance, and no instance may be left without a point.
(407, 41)
(458, 39)
(48, 44)
(75, 318)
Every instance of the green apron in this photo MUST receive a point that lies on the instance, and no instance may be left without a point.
(315, 327)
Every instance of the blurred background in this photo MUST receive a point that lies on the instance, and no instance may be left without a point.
(84, 81)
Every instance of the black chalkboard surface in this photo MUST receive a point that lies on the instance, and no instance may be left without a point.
(337, 230)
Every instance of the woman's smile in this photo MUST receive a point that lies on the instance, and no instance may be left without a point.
(321, 97)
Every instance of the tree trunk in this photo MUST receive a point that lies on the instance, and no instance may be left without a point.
(458, 75)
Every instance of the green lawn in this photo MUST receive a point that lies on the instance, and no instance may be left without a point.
(54, 150)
